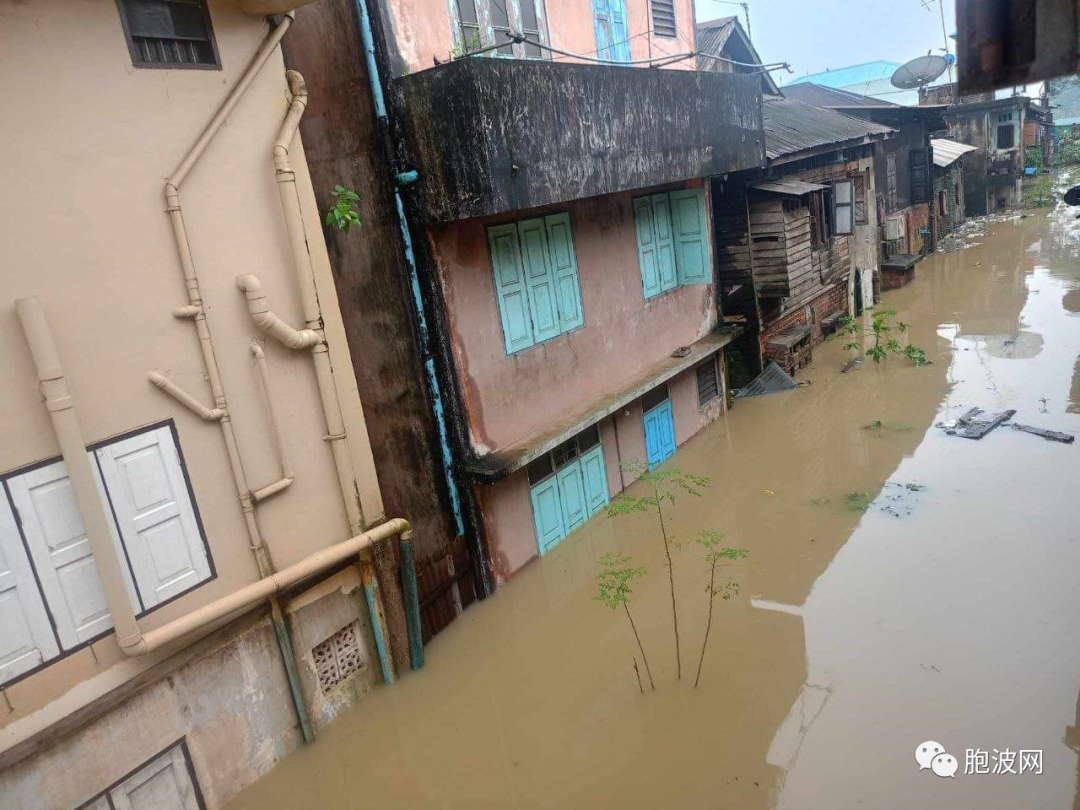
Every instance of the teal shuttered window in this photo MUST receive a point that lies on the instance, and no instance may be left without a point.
(612, 34)
(536, 280)
(567, 486)
(672, 240)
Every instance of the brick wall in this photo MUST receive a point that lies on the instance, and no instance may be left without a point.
(832, 299)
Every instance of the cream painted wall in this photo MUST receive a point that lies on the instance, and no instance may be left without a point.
(90, 141)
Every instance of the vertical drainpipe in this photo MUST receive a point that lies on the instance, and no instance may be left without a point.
(400, 180)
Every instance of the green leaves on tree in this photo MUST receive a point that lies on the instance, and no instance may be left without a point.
(717, 556)
(664, 484)
(613, 589)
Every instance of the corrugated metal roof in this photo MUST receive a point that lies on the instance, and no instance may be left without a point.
(711, 36)
(792, 126)
(832, 97)
(947, 152)
(769, 381)
(715, 37)
(795, 188)
(846, 76)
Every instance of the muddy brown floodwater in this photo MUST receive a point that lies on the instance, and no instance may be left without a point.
(948, 611)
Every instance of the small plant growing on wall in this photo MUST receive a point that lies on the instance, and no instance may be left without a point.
(613, 589)
(470, 43)
(716, 556)
(663, 485)
(343, 214)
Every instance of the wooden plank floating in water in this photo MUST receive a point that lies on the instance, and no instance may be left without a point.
(1049, 435)
(968, 427)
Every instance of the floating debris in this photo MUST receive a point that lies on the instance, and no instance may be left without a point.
(850, 364)
(772, 379)
(858, 501)
(1049, 435)
(970, 426)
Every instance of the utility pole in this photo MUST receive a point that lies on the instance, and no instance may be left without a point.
(944, 31)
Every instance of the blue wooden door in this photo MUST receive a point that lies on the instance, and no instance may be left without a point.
(547, 514)
(659, 434)
(594, 475)
(572, 493)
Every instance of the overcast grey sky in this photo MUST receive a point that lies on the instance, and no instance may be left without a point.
(817, 34)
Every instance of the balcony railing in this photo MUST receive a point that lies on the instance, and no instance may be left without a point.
(495, 135)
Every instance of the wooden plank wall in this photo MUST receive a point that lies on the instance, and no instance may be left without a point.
(780, 247)
(731, 242)
(786, 268)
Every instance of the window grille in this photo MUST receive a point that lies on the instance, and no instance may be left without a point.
(169, 33)
(708, 386)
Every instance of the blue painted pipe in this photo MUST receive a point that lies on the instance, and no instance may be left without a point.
(406, 178)
(371, 593)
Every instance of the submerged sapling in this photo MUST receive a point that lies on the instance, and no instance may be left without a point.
(613, 589)
(716, 556)
(664, 484)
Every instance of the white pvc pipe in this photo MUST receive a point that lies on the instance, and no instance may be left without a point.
(184, 398)
(287, 476)
(69, 436)
(309, 297)
(267, 587)
(268, 322)
(194, 308)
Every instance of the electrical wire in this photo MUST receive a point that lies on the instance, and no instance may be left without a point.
(620, 42)
(657, 61)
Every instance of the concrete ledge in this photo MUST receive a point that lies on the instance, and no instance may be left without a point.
(495, 466)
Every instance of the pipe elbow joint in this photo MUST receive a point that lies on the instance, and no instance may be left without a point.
(250, 284)
(134, 647)
(186, 311)
(297, 85)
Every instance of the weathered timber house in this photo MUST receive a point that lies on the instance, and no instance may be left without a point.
(995, 127)
(798, 247)
(949, 211)
(545, 267)
(187, 488)
(903, 173)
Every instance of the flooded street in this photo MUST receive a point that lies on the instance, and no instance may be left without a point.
(947, 610)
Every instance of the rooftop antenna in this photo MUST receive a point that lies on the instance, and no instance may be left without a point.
(746, 12)
(919, 72)
(944, 31)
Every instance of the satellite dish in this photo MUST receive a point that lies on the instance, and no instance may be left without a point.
(919, 72)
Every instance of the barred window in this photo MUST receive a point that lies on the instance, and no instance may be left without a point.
(169, 33)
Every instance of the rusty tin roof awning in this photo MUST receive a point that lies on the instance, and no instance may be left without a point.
(791, 188)
(947, 152)
(495, 466)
